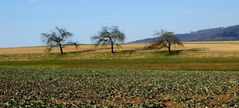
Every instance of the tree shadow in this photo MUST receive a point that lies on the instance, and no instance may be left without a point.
(126, 51)
(83, 51)
(165, 52)
(197, 49)
(132, 51)
(174, 52)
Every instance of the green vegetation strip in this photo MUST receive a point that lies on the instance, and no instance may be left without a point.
(74, 87)
(219, 64)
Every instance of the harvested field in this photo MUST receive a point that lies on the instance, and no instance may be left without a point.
(194, 46)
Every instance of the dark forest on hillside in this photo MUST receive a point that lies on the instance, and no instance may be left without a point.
(214, 34)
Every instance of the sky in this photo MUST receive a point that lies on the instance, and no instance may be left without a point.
(23, 21)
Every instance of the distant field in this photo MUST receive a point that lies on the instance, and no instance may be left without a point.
(199, 46)
(128, 51)
(193, 56)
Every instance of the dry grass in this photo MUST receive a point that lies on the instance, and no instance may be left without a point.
(214, 46)
(41, 49)
(190, 49)
(198, 46)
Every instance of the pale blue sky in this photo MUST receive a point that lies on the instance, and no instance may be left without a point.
(22, 21)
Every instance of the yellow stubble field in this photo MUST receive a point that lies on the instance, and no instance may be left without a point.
(190, 49)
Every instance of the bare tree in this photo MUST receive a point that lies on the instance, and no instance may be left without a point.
(109, 36)
(59, 38)
(166, 40)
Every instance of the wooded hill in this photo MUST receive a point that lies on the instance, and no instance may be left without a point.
(215, 34)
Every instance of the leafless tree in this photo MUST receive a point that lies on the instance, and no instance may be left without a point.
(109, 36)
(165, 40)
(59, 38)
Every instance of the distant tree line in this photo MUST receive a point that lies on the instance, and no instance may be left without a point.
(111, 36)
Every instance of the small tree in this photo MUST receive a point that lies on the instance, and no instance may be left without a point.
(166, 40)
(59, 38)
(109, 36)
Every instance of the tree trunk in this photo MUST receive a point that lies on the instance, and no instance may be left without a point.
(112, 48)
(169, 50)
(60, 46)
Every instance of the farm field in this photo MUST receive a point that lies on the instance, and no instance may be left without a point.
(119, 54)
(74, 87)
(200, 74)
